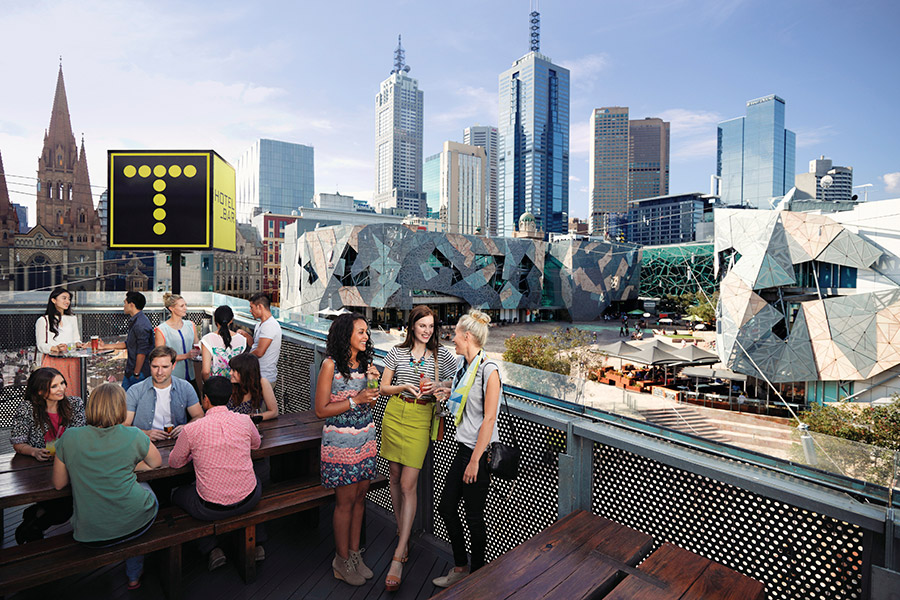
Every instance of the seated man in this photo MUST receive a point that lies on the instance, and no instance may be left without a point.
(162, 401)
(220, 446)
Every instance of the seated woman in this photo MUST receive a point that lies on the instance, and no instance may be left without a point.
(220, 346)
(100, 461)
(252, 394)
(39, 421)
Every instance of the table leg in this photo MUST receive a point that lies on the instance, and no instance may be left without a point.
(247, 554)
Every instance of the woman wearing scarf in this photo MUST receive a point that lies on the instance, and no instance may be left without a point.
(474, 404)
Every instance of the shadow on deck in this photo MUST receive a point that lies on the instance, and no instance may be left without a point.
(297, 566)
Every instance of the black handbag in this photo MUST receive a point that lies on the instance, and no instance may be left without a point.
(503, 460)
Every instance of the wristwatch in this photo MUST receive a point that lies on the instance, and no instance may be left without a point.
(353, 404)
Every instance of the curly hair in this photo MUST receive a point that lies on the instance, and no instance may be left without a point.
(246, 366)
(338, 345)
(36, 391)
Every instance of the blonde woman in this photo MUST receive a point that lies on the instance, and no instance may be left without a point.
(474, 401)
(180, 334)
(100, 461)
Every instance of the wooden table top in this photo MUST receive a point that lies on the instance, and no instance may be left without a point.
(585, 556)
(24, 480)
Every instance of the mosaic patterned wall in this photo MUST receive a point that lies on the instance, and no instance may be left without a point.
(388, 266)
(669, 270)
(854, 336)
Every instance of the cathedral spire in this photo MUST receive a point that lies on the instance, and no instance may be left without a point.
(60, 132)
(9, 219)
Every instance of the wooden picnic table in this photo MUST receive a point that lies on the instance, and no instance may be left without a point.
(586, 556)
(24, 480)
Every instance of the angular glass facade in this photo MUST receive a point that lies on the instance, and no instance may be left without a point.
(431, 185)
(533, 157)
(756, 155)
(275, 177)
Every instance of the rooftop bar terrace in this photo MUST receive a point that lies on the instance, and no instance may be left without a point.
(824, 524)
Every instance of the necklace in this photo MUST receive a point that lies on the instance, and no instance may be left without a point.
(417, 365)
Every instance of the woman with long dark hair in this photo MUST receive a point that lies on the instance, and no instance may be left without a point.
(220, 346)
(251, 394)
(347, 462)
(39, 421)
(56, 332)
(411, 371)
(100, 461)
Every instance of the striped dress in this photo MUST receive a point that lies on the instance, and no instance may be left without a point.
(348, 439)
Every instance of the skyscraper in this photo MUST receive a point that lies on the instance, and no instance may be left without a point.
(755, 155)
(629, 160)
(838, 189)
(533, 133)
(399, 108)
(608, 165)
(276, 177)
(486, 137)
(457, 187)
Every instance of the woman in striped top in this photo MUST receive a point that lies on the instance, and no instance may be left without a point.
(409, 378)
(348, 438)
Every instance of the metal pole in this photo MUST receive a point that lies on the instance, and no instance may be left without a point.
(176, 271)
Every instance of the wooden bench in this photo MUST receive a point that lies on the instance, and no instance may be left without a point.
(39, 562)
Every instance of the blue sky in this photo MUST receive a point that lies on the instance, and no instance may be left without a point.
(220, 75)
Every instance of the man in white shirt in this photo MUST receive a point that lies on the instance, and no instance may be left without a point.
(266, 337)
(161, 400)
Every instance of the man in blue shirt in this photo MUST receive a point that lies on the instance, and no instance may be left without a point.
(139, 342)
(161, 400)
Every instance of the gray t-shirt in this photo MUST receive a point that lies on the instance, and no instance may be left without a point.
(473, 413)
(268, 363)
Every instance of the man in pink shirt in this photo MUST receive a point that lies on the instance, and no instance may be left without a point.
(220, 445)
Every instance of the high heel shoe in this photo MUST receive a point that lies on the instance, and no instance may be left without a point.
(392, 582)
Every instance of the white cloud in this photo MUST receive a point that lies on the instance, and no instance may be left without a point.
(583, 72)
(693, 132)
(580, 138)
(815, 136)
(573, 178)
(891, 182)
(469, 103)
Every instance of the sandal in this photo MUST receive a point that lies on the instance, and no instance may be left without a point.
(392, 582)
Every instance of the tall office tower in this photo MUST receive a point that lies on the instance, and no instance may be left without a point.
(838, 189)
(648, 158)
(629, 160)
(755, 155)
(608, 166)
(533, 134)
(276, 177)
(399, 109)
(456, 186)
(486, 137)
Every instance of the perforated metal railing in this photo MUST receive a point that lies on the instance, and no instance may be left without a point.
(801, 539)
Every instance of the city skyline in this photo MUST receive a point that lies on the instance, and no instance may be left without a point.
(221, 79)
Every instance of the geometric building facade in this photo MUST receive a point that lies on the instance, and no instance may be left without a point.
(678, 269)
(378, 267)
(806, 298)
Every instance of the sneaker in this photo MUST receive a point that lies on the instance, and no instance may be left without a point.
(216, 559)
(450, 578)
(260, 554)
(357, 559)
(345, 570)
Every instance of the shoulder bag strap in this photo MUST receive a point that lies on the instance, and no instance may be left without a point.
(512, 425)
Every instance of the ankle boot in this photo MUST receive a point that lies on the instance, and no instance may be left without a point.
(345, 570)
(361, 567)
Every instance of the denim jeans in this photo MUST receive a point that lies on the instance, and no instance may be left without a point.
(134, 566)
(130, 379)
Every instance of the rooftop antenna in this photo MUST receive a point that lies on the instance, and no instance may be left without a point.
(400, 59)
(535, 18)
(866, 187)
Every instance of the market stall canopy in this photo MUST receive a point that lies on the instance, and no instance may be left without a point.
(666, 320)
(713, 373)
(694, 318)
(652, 355)
(636, 311)
(620, 349)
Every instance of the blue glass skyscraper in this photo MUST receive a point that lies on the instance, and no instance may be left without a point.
(276, 177)
(755, 155)
(533, 156)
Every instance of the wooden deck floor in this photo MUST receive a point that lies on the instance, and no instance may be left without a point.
(297, 566)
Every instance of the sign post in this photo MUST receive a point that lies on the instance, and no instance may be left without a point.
(178, 200)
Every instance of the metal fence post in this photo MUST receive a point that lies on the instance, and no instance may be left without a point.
(575, 473)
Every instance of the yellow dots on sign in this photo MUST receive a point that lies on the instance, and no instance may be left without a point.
(130, 171)
(159, 199)
(159, 228)
(174, 171)
(144, 171)
(159, 185)
(159, 214)
(190, 171)
(159, 170)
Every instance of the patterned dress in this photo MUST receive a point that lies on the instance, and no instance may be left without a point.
(348, 439)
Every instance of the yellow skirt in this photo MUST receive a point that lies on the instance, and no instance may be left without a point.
(405, 432)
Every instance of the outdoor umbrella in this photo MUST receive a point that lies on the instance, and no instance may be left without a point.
(328, 312)
(655, 356)
(700, 326)
(620, 348)
(695, 355)
(343, 311)
(647, 315)
(666, 320)
(636, 311)
(694, 318)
